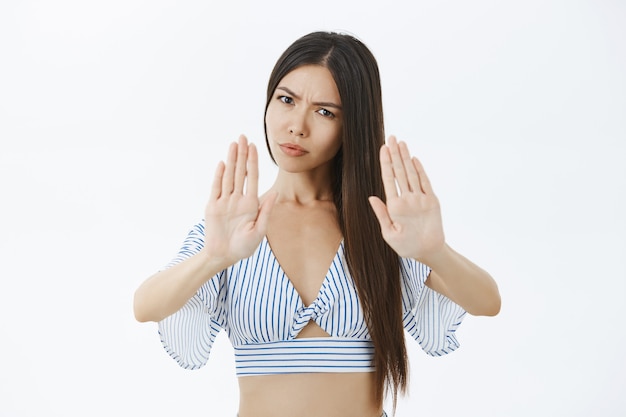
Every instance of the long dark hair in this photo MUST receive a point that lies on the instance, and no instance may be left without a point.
(372, 263)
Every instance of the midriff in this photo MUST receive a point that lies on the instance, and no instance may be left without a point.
(309, 395)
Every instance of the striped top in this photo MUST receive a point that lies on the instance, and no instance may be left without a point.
(257, 305)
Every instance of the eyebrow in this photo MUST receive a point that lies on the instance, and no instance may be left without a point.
(317, 103)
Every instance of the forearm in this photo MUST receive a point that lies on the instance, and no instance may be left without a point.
(464, 282)
(168, 290)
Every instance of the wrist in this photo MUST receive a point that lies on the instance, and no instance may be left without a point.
(215, 261)
(437, 258)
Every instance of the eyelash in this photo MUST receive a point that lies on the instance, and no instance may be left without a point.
(286, 99)
(322, 111)
(328, 114)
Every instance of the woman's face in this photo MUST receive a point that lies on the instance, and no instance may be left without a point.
(304, 120)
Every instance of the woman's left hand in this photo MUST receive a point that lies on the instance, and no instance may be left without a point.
(411, 220)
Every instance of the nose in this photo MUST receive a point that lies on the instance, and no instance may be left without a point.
(298, 124)
(296, 132)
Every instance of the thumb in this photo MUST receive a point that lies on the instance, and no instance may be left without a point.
(380, 210)
(263, 216)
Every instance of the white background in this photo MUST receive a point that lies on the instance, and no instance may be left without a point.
(114, 114)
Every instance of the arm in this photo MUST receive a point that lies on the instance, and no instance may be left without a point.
(411, 224)
(165, 292)
(464, 282)
(235, 223)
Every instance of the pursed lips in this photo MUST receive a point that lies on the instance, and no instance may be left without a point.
(292, 149)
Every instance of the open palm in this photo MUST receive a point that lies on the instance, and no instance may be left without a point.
(411, 220)
(235, 222)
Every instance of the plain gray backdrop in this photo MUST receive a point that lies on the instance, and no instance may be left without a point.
(113, 116)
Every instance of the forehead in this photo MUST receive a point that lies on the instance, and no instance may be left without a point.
(311, 80)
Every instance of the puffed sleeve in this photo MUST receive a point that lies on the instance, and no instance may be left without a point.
(188, 334)
(429, 317)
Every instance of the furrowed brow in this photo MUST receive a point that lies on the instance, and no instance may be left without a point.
(317, 103)
(288, 91)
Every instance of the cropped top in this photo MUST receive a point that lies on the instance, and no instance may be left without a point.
(257, 305)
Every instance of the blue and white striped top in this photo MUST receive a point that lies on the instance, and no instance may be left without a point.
(260, 310)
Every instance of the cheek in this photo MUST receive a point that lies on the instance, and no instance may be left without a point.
(271, 119)
(336, 139)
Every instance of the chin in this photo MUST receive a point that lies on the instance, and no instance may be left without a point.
(292, 167)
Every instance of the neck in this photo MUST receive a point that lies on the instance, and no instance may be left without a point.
(303, 187)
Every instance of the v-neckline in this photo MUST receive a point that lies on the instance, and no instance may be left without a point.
(290, 283)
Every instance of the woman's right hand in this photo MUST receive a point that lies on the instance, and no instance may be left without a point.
(234, 225)
(235, 221)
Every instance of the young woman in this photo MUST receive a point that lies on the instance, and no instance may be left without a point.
(316, 281)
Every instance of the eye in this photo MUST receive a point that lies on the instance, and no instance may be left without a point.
(326, 113)
(286, 99)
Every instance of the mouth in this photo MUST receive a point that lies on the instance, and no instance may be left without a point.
(292, 149)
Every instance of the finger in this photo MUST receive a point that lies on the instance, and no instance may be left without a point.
(380, 210)
(241, 165)
(252, 186)
(423, 178)
(411, 172)
(229, 171)
(398, 166)
(216, 187)
(386, 171)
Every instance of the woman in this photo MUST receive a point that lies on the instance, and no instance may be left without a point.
(309, 339)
